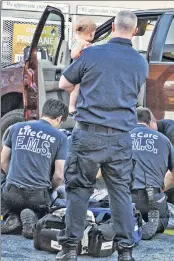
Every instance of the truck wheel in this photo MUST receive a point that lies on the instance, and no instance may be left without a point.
(8, 120)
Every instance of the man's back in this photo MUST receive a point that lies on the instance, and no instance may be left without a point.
(35, 147)
(154, 155)
(112, 76)
(166, 127)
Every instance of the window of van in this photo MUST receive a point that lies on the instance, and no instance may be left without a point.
(168, 51)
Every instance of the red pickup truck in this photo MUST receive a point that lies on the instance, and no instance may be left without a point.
(26, 86)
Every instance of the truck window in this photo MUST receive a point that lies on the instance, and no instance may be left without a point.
(141, 42)
(168, 51)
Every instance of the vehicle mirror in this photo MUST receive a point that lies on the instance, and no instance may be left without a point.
(42, 53)
(26, 53)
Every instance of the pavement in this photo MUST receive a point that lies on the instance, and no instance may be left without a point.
(17, 248)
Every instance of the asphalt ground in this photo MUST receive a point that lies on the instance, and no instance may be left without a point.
(17, 248)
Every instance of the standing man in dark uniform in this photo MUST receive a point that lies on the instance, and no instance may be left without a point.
(154, 156)
(110, 78)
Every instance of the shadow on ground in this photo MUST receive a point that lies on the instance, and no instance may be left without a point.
(17, 248)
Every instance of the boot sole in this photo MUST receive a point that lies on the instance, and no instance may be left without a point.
(28, 219)
(126, 259)
(150, 228)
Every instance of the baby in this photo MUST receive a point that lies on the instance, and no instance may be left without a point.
(85, 30)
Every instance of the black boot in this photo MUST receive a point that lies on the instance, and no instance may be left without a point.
(150, 228)
(67, 254)
(125, 253)
(28, 219)
(12, 225)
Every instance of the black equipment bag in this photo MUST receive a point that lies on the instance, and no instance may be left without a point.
(46, 230)
(97, 240)
(100, 240)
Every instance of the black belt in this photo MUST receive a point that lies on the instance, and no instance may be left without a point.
(137, 191)
(20, 188)
(95, 128)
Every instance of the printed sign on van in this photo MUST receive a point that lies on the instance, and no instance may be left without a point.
(99, 10)
(36, 6)
(23, 35)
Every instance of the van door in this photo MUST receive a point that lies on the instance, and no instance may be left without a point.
(160, 84)
(48, 56)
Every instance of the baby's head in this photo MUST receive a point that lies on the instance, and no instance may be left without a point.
(85, 28)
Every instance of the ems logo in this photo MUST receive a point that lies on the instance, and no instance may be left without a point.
(34, 141)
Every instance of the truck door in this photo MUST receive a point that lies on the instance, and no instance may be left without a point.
(160, 84)
(48, 56)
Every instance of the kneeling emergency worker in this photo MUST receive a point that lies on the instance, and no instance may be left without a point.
(154, 156)
(33, 151)
(110, 78)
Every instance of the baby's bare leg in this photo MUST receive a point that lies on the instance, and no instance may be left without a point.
(73, 98)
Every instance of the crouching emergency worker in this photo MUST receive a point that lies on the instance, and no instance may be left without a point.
(32, 149)
(154, 156)
(166, 126)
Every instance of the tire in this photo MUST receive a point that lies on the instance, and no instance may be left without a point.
(8, 120)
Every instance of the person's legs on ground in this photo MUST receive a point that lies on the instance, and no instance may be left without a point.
(36, 203)
(150, 216)
(156, 217)
(117, 174)
(162, 207)
(11, 205)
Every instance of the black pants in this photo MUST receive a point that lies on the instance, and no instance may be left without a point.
(140, 198)
(88, 152)
(170, 195)
(14, 200)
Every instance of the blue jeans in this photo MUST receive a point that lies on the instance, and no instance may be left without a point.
(89, 151)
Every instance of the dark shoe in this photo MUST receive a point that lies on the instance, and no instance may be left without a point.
(11, 225)
(125, 253)
(150, 228)
(67, 255)
(29, 220)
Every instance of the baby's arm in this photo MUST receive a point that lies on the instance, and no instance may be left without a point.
(77, 48)
(73, 98)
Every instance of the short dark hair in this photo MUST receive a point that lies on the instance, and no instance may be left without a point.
(53, 109)
(144, 115)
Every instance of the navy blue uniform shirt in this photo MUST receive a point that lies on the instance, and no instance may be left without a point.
(154, 155)
(110, 77)
(35, 147)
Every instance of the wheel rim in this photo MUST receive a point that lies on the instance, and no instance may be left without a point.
(5, 134)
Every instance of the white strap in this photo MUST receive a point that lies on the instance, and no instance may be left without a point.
(85, 240)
